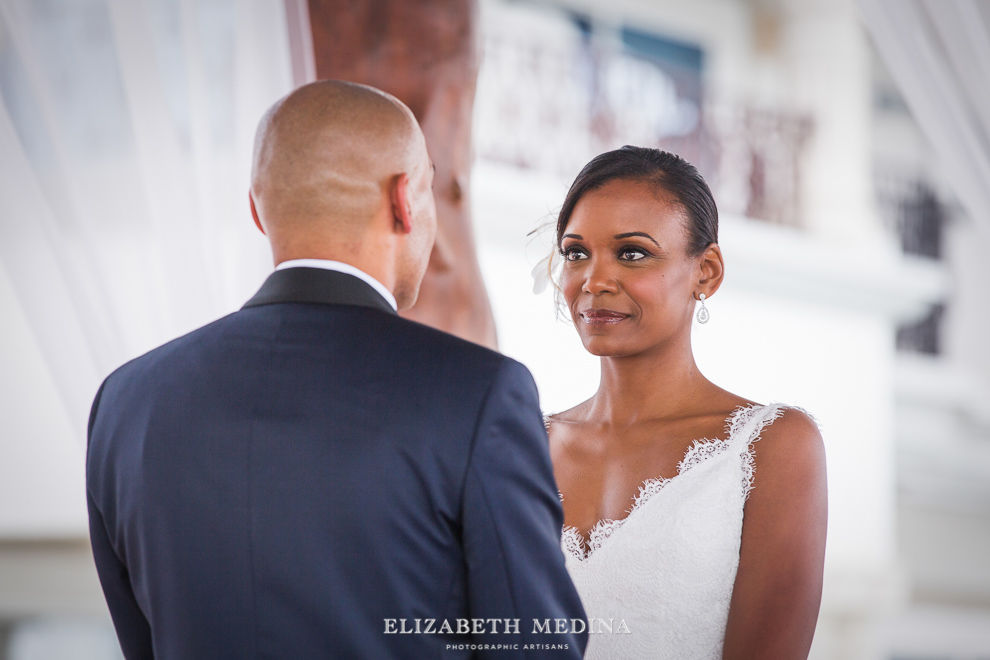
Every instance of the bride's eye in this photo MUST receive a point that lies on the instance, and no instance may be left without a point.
(574, 254)
(631, 254)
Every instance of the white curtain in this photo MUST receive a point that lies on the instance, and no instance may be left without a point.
(938, 52)
(125, 141)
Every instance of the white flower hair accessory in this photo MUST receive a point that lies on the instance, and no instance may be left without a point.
(543, 271)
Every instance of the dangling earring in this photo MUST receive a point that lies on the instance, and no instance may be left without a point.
(703, 312)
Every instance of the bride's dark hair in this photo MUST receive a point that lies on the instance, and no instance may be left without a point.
(667, 172)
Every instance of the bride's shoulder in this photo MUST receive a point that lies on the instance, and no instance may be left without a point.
(771, 422)
(791, 444)
(790, 424)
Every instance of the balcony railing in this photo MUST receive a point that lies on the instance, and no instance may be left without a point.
(555, 90)
(912, 209)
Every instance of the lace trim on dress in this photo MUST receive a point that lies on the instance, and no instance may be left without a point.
(697, 453)
(571, 540)
(736, 424)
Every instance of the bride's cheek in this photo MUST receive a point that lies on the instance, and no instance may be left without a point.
(569, 288)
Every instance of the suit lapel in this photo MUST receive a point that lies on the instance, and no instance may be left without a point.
(320, 286)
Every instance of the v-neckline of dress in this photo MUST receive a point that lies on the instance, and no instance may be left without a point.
(583, 548)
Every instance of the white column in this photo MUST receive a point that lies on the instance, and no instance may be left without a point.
(827, 61)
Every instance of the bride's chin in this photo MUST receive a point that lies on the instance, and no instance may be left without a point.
(607, 347)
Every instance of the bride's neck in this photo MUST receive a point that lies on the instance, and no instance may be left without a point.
(662, 382)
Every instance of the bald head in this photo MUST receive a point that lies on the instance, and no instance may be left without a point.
(341, 172)
(325, 154)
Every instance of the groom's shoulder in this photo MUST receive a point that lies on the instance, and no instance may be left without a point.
(445, 363)
(421, 342)
(190, 347)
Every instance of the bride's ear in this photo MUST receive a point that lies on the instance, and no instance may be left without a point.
(711, 269)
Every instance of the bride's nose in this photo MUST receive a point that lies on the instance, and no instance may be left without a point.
(599, 279)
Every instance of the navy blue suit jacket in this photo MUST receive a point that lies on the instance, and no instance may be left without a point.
(300, 476)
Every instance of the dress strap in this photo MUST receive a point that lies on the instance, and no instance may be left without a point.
(744, 428)
(746, 424)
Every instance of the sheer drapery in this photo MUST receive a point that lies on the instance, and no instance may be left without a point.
(938, 52)
(125, 139)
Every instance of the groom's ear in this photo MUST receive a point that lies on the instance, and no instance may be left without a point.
(401, 210)
(711, 269)
(254, 214)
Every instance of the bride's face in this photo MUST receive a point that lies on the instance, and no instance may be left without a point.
(627, 278)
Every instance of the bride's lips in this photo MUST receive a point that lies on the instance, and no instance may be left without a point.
(602, 316)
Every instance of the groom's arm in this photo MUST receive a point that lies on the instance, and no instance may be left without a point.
(133, 630)
(512, 521)
(132, 627)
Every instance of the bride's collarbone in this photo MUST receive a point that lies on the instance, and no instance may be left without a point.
(604, 485)
(602, 471)
(643, 445)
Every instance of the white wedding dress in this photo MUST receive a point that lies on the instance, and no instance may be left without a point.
(668, 568)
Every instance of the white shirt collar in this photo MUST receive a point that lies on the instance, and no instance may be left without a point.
(341, 267)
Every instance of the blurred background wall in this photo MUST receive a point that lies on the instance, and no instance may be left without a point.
(839, 140)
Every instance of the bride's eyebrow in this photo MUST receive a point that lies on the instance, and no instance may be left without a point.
(636, 233)
(574, 236)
